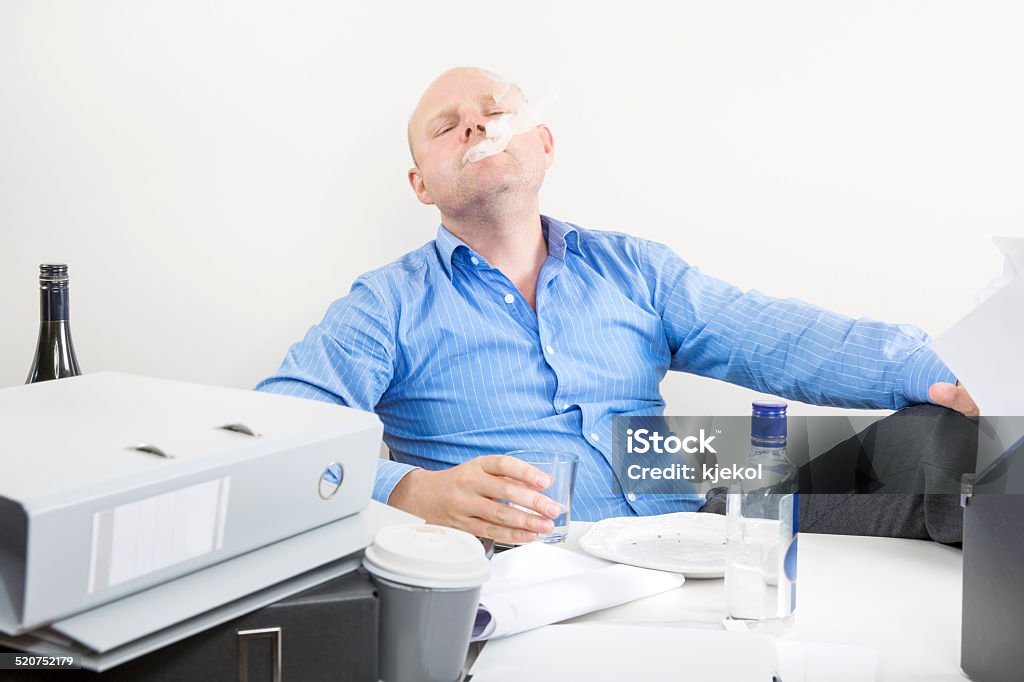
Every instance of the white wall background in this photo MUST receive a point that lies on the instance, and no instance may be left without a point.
(216, 172)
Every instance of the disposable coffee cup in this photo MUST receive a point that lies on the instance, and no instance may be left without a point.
(428, 581)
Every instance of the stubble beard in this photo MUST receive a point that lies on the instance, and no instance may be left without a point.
(495, 202)
(507, 196)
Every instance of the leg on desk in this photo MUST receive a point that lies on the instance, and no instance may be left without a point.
(900, 477)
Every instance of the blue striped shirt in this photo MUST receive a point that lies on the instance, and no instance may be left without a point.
(456, 363)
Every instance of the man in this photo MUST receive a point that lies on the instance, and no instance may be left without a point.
(512, 330)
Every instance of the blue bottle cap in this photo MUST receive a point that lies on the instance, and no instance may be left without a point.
(768, 422)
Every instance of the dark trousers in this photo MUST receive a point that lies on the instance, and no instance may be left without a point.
(900, 477)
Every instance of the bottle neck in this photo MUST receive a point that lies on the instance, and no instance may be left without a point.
(769, 446)
(53, 303)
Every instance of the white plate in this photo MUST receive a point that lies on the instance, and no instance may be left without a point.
(690, 543)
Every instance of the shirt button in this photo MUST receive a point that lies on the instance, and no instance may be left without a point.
(509, 298)
(474, 260)
(595, 436)
(631, 497)
(549, 349)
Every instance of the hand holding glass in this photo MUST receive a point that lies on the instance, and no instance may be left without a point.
(561, 467)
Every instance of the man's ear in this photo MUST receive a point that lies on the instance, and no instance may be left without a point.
(548, 140)
(416, 182)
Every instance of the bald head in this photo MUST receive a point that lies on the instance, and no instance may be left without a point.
(434, 101)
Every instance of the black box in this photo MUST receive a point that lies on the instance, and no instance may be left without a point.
(993, 578)
(328, 632)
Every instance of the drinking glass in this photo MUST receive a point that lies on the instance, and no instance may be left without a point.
(561, 466)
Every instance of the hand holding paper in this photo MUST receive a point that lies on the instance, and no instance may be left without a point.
(984, 351)
(953, 396)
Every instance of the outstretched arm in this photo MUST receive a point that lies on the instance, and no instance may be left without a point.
(788, 347)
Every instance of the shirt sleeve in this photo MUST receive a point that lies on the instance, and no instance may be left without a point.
(346, 359)
(787, 347)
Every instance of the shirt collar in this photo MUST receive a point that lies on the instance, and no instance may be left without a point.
(560, 238)
(446, 244)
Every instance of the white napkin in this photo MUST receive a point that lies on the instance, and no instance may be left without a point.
(537, 584)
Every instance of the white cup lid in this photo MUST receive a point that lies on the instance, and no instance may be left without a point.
(425, 555)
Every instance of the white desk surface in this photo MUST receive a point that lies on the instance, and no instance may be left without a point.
(901, 597)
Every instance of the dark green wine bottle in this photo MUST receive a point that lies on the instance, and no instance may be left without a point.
(55, 354)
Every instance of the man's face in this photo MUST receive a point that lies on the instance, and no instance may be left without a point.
(450, 119)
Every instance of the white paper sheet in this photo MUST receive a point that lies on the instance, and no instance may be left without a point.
(649, 651)
(818, 662)
(1012, 249)
(607, 652)
(537, 584)
(984, 351)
